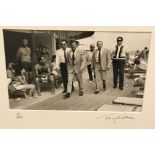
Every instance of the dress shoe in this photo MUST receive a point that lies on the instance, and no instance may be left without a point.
(96, 92)
(114, 86)
(67, 95)
(64, 91)
(121, 88)
(81, 93)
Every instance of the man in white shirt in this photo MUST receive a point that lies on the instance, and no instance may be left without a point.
(100, 63)
(120, 56)
(75, 64)
(61, 63)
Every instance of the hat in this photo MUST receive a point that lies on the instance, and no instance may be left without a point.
(119, 38)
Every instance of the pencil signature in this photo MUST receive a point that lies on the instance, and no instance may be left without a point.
(115, 117)
(19, 116)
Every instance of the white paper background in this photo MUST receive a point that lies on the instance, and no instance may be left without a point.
(77, 13)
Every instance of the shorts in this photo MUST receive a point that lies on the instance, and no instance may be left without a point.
(27, 66)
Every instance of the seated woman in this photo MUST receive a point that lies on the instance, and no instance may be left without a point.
(10, 72)
(19, 82)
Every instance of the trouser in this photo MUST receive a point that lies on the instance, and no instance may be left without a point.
(100, 75)
(70, 81)
(118, 72)
(90, 72)
(64, 74)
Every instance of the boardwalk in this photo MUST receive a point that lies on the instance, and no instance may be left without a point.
(88, 102)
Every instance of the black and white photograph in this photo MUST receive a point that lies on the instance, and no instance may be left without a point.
(76, 70)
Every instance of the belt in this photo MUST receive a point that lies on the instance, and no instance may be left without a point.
(118, 58)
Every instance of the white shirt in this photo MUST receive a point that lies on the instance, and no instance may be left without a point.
(97, 54)
(119, 47)
(89, 57)
(123, 54)
(60, 58)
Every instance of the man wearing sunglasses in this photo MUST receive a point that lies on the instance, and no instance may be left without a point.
(61, 63)
(120, 56)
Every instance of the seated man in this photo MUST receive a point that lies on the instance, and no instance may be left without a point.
(140, 63)
(43, 75)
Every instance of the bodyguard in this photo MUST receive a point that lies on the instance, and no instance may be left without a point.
(120, 56)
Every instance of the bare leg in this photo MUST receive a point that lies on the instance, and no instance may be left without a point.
(52, 81)
(38, 81)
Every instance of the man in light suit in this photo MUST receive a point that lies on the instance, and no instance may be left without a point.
(75, 66)
(100, 63)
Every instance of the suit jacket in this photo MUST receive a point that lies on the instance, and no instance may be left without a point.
(79, 63)
(105, 59)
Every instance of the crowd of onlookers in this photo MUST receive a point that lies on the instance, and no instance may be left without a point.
(24, 77)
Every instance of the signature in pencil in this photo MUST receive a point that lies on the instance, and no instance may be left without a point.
(115, 117)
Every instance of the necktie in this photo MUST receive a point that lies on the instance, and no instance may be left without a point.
(65, 56)
(73, 58)
(118, 52)
(99, 56)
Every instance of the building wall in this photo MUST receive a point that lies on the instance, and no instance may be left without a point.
(12, 41)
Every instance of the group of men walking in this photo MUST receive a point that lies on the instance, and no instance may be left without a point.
(72, 62)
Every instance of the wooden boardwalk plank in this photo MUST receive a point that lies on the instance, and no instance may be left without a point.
(88, 102)
(128, 101)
